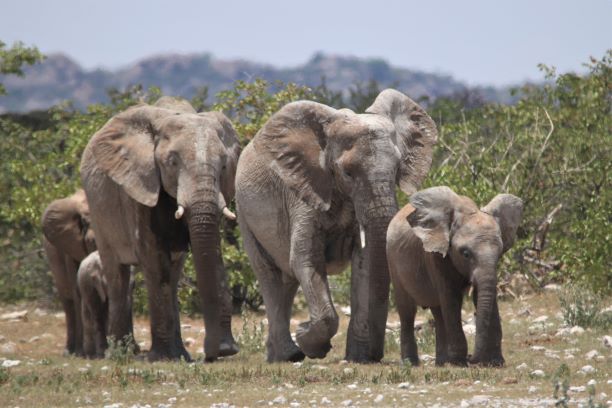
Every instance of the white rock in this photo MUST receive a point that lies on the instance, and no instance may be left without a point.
(532, 389)
(8, 348)
(403, 385)
(469, 329)
(552, 354)
(19, 315)
(279, 400)
(576, 330)
(10, 363)
(367, 390)
(592, 382)
(607, 341)
(464, 404)
(320, 367)
(294, 404)
(104, 368)
(347, 403)
(552, 287)
(580, 388)
(538, 373)
(34, 339)
(591, 354)
(540, 319)
(393, 325)
(348, 371)
(298, 364)
(522, 367)
(325, 401)
(379, 398)
(563, 332)
(538, 348)
(352, 386)
(480, 399)
(427, 358)
(524, 312)
(346, 310)
(587, 369)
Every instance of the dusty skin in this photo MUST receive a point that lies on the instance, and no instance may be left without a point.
(43, 377)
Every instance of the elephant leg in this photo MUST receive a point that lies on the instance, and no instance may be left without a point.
(228, 346)
(73, 309)
(308, 265)
(358, 337)
(407, 309)
(94, 312)
(278, 297)
(450, 305)
(161, 278)
(441, 341)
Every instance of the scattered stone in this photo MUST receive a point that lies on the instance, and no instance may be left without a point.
(563, 332)
(104, 368)
(189, 341)
(346, 310)
(580, 388)
(524, 312)
(538, 373)
(352, 386)
(469, 329)
(607, 341)
(463, 382)
(34, 339)
(509, 380)
(379, 398)
(40, 312)
(577, 330)
(320, 367)
(279, 400)
(480, 399)
(10, 363)
(532, 389)
(426, 358)
(552, 287)
(8, 348)
(587, 369)
(115, 405)
(522, 367)
(552, 354)
(348, 371)
(298, 364)
(343, 362)
(591, 354)
(325, 401)
(393, 325)
(294, 404)
(464, 404)
(347, 403)
(592, 382)
(538, 348)
(403, 385)
(18, 315)
(540, 319)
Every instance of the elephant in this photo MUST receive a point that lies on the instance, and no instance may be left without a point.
(315, 190)
(94, 305)
(437, 246)
(157, 178)
(67, 239)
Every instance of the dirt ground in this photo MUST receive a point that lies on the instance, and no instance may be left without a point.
(538, 349)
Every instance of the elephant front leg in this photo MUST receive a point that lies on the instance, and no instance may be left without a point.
(228, 346)
(308, 265)
(120, 326)
(451, 300)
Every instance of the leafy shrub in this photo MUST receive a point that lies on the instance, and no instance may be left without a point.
(583, 307)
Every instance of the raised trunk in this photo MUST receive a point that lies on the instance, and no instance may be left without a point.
(203, 222)
(487, 349)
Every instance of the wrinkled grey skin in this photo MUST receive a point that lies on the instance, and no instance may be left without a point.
(94, 305)
(67, 239)
(437, 246)
(136, 171)
(304, 184)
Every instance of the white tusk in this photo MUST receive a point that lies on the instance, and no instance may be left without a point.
(229, 214)
(362, 236)
(179, 212)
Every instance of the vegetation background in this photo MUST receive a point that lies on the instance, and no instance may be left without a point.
(552, 147)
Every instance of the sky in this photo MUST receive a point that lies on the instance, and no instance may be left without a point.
(481, 42)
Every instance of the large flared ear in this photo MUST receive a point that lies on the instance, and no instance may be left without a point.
(415, 135)
(64, 225)
(124, 150)
(228, 136)
(294, 139)
(507, 210)
(174, 103)
(432, 217)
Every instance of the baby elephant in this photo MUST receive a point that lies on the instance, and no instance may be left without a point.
(437, 246)
(94, 305)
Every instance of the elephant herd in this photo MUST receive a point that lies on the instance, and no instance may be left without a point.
(315, 190)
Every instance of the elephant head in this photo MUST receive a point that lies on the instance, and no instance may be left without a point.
(66, 224)
(473, 241)
(328, 156)
(188, 158)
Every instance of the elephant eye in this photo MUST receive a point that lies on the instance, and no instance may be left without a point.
(466, 253)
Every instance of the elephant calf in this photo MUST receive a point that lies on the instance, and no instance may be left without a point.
(94, 305)
(437, 246)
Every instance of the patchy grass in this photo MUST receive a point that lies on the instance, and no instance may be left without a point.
(43, 377)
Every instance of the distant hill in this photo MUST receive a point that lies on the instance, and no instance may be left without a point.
(60, 78)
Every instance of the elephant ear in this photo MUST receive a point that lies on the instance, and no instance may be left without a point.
(415, 135)
(124, 150)
(175, 104)
(294, 141)
(228, 136)
(64, 227)
(432, 217)
(507, 210)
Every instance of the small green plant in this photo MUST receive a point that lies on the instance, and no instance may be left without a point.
(582, 307)
(121, 351)
(5, 375)
(561, 386)
(252, 336)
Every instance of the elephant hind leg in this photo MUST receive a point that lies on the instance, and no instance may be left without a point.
(441, 341)
(278, 297)
(407, 309)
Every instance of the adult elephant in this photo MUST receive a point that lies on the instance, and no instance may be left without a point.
(67, 240)
(315, 188)
(157, 179)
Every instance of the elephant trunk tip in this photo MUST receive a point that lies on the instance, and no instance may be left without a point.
(179, 212)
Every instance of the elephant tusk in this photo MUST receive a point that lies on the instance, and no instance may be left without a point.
(229, 214)
(362, 236)
(179, 212)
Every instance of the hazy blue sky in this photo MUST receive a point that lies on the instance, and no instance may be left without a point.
(479, 41)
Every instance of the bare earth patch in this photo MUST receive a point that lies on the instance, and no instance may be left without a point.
(537, 348)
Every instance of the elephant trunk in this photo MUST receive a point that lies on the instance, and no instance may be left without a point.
(203, 223)
(487, 349)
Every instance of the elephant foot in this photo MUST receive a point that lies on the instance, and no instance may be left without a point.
(174, 353)
(228, 348)
(290, 352)
(359, 352)
(314, 338)
(495, 360)
(413, 361)
(456, 361)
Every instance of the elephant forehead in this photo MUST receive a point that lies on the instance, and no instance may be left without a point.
(478, 226)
